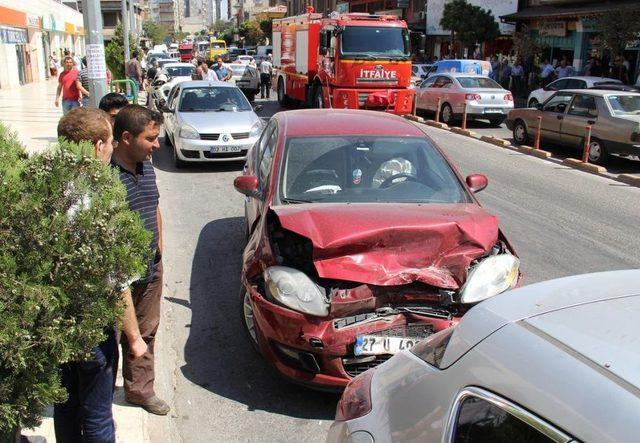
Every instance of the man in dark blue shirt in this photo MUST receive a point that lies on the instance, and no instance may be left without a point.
(136, 130)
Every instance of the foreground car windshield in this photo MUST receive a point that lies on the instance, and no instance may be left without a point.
(478, 82)
(182, 71)
(367, 169)
(625, 104)
(213, 99)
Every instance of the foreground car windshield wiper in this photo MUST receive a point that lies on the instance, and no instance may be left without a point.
(296, 200)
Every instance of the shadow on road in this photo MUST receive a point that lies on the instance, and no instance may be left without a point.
(218, 355)
(163, 160)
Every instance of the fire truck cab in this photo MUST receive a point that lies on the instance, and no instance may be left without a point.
(355, 60)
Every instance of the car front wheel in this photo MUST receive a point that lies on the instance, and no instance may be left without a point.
(520, 135)
(248, 319)
(533, 103)
(446, 114)
(597, 152)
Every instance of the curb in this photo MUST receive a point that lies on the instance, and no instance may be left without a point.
(436, 124)
(495, 141)
(465, 132)
(629, 179)
(588, 167)
(532, 151)
(414, 118)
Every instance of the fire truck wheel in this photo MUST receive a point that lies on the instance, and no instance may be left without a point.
(318, 100)
(282, 97)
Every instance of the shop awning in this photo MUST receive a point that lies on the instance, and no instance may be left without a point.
(537, 12)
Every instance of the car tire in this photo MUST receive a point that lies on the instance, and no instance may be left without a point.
(597, 153)
(520, 134)
(532, 103)
(496, 122)
(318, 99)
(446, 114)
(247, 318)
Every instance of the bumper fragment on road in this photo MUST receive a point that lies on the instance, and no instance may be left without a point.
(465, 132)
(414, 118)
(588, 167)
(629, 179)
(436, 124)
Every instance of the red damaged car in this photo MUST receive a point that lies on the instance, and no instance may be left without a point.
(362, 240)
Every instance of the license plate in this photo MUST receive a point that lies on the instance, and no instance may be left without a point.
(377, 345)
(493, 110)
(225, 149)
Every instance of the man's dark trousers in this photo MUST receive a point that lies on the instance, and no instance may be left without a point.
(139, 373)
(265, 85)
(86, 416)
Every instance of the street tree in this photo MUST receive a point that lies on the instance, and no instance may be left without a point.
(68, 242)
(114, 52)
(267, 27)
(469, 24)
(527, 46)
(618, 28)
(252, 32)
(154, 31)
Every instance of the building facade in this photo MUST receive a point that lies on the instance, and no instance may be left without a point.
(30, 32)
(569, 29)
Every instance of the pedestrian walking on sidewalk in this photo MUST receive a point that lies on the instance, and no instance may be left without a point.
(266, 68)
(136, 130)
(133, 69)
(68, 85)
(84, 83)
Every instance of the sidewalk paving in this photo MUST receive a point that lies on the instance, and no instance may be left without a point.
(31, 113)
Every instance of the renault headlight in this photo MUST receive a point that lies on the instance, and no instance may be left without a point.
(492, 276)
(294, 289)
(256, 129)
(189, 132)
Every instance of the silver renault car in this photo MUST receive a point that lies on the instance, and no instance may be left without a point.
(556, 361)
(209, 122)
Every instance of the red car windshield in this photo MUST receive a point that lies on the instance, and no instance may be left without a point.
(362, 169)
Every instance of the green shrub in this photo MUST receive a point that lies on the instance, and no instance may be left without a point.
(67, 242)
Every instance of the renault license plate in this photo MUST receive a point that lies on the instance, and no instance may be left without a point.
(377, 345)
(225, 149)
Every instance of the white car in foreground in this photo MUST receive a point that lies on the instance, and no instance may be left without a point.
(541, 95)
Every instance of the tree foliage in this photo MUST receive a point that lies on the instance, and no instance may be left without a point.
(67, 242)
(526, 45)
(267, 27)
(114, 52)
(619, 27)
(252, 32)
(154, 31)
(468, 23)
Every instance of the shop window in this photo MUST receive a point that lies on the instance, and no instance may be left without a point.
(109, 19)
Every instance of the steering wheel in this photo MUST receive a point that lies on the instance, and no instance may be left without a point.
(389, 180)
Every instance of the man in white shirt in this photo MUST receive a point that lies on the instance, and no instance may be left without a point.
(266, 67)
(564, 70)
(546, 73)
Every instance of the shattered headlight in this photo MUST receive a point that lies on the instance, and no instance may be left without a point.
(294, 289)
(490, 277)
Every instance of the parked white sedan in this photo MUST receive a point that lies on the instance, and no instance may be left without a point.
(452, 92)
(541, 95)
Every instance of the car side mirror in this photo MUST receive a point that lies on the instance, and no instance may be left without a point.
(539, 106)
(257, 108)
(477, 182)
(247, 185)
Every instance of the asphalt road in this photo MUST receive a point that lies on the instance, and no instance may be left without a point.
(561, 222)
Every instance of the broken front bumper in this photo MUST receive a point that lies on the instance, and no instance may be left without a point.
(320, 351)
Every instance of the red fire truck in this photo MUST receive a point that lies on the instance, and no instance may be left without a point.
(186, 51)
(355, 60)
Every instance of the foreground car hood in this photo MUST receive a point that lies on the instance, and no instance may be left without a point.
(225, 121)
(389, 244)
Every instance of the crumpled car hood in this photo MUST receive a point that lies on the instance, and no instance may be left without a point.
(393, 244)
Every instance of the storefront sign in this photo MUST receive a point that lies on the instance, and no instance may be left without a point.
(33, 21)
(403, 3)
(13, 36)
(396, 12)
(587, 25)
(51, 23)
(342, 8)
(69, 28)
(555, 29)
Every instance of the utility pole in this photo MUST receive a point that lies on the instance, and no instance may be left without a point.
(125, 29)
(94, 47)
(132, 21)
